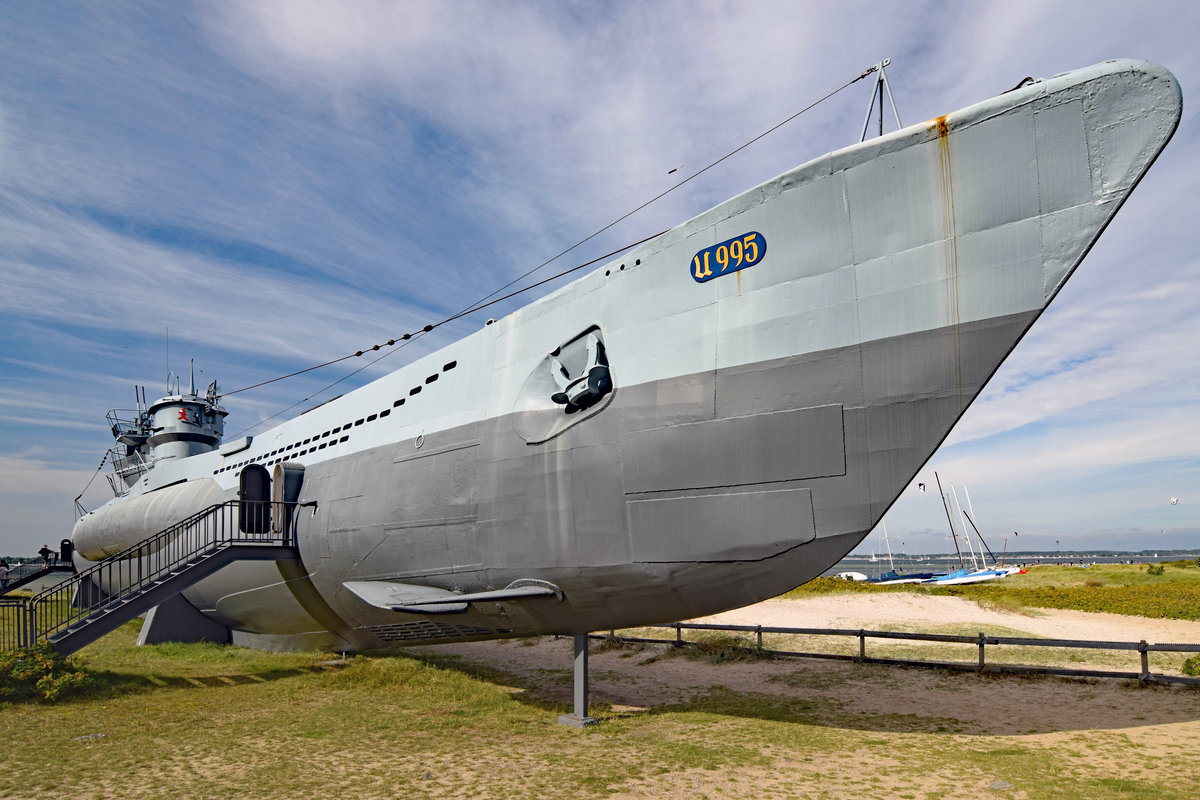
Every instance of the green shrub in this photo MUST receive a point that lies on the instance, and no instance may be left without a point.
(827, 584)
(1155, 569)
(40, 671)
(721, 648)
(1192, 666)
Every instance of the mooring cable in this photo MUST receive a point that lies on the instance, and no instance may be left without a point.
(485, 301)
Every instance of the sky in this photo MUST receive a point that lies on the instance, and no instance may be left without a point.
(258, 187)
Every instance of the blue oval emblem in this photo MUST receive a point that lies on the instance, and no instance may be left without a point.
(729, 256)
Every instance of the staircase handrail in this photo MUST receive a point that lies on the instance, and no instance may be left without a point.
(132, 570)
(165, 533)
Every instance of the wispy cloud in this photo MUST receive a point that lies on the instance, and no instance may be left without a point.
(1123, 353)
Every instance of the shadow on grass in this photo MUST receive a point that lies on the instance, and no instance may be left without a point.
(116, 668)
(114, 683)
(120, 681)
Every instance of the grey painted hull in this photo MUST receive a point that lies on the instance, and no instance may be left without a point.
(759, 424)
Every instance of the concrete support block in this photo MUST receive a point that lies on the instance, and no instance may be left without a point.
(176, 620)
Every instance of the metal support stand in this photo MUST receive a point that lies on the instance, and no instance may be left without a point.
(882, 87)
(580, 718)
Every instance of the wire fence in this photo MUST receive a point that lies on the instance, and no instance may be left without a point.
(982, 641)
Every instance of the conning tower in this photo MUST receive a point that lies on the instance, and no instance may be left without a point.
(175, 426)
(182, 425)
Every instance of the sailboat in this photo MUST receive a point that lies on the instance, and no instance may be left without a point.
(891, 577)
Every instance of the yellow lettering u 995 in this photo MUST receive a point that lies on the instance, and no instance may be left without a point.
(730, 256)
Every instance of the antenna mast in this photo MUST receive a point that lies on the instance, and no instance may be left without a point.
(881, 87)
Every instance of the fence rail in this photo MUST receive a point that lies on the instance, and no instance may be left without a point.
(982, 641)
(14, 621)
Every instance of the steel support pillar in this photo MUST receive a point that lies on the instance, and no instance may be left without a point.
(580, 718)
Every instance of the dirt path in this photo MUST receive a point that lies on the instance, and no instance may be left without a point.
(650, 677)
(1109, 735)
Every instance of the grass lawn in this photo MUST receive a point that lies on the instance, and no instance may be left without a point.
(207, 721)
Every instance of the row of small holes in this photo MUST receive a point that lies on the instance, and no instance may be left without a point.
(636, 263)
(323, 445)
(417, 389)
(266, 463)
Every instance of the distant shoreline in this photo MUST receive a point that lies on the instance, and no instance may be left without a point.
(923, 562)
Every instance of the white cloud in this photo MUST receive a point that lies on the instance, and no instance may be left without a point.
(1121, 353)
(564, 106)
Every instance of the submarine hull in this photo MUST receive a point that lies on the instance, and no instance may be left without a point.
(700, 424)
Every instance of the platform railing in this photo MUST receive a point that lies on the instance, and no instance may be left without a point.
(18, 572)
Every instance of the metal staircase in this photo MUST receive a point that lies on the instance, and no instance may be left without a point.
(108, 594)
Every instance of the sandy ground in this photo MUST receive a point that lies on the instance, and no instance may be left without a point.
(919, 612)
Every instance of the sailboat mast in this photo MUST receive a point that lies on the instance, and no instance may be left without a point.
(971, 516)
(962, 523)
(891, 565)
(946, 508)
